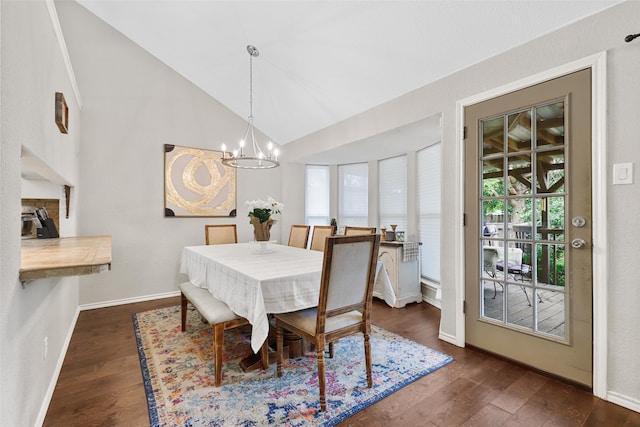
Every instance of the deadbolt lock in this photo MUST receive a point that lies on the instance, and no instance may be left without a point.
(578, 221)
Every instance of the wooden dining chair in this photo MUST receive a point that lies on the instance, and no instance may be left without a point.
(299, 236)
(344, 306)
(320, 233)
(354, 231)
(219, 234)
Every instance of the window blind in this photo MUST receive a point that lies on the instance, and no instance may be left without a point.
(317, 195)
(353, 194)
(429, 171)
(392, 192)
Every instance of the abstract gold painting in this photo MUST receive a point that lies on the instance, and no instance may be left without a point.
(197, 184)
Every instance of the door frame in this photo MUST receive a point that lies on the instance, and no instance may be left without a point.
(597, 63)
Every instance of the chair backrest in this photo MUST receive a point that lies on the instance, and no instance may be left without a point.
(320, 233)
(348, 273)
(355, 231)
(490, 258)
(299, 236)
(494, 254)
(219, 234)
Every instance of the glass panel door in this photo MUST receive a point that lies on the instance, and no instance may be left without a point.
(528, 284)
(522, 208)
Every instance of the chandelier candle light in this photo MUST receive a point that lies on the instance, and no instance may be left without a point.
(260, 216)
(251, 156)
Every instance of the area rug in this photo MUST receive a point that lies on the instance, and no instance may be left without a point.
(178, 373)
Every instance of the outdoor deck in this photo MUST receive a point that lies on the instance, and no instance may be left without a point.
(550, 306)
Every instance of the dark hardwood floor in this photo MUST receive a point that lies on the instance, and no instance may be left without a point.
(101, 385)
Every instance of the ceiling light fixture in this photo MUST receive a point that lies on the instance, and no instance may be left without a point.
(249, 155)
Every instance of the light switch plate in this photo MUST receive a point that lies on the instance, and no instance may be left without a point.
(622, 173)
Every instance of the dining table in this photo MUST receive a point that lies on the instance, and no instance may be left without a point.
(256, 279)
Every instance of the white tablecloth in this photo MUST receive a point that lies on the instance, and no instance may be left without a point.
(253, 284)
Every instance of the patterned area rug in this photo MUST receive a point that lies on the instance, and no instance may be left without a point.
(178, 373)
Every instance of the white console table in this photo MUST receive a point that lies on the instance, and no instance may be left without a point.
(404, 275)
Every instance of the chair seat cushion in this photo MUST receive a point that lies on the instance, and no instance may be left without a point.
(306, 320)
(514, 268)
(212, 309)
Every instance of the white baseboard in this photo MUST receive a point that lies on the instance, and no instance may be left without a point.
(56, 373)
(451, 339)
(434, 302)
(123, 301)
(625, 401)
(430, 293)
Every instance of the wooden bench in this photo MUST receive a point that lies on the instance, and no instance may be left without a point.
(219, 316)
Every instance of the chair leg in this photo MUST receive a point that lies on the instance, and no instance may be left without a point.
(279, 350)
(183, 310)
(495, 288)
(331, 350)
(526, 295)
(321, 378)
(218, 343)
(367, 357)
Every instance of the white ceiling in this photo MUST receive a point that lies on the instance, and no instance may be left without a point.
(322, 62)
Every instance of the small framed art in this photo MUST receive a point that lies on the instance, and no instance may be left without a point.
(62, 113)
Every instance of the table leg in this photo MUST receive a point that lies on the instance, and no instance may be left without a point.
(293, 346)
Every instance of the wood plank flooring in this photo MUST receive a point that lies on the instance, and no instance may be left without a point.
(101, 384)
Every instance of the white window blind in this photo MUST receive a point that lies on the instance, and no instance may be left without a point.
(317, 195)
(392, 192)
(429, 173)
(353, 194)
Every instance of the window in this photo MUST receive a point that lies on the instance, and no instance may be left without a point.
(392, 190)
(317, 195)
(353, 194)
(429, 172)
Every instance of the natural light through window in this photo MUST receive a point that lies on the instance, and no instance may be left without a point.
(317, 195)
(353, 194)
(429, 173)
(392, 192)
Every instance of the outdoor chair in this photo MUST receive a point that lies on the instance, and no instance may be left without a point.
(493, 261)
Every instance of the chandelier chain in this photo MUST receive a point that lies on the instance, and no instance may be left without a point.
(250, 86)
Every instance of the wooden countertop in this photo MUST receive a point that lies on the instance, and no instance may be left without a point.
(66, 256)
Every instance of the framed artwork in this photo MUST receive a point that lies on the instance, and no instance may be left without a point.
(62, 113)
(197, 184)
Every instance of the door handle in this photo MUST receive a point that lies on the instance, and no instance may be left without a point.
(578, 243)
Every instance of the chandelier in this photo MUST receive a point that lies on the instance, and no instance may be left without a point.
(249, 155)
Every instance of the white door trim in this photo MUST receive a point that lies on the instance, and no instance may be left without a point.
(598, 65)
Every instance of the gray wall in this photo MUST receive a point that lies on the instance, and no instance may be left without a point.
(132, 105)
(32, 70)
(602, 32)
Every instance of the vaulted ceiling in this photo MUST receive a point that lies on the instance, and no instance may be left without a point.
(322, 62)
